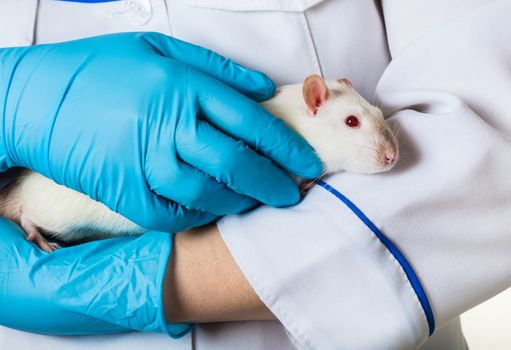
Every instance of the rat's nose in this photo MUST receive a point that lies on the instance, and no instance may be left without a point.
(390, 156)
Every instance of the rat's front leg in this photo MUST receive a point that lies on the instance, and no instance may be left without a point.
(34, 235)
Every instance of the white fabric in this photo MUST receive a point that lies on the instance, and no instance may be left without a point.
(260, 5)
(329, 38)
(446, 205)
(221, 336)
(17, 21)
(11, 339)
(314, 286)
(62, 21)
(452, 188)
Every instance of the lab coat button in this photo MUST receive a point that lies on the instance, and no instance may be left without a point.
(139, 11)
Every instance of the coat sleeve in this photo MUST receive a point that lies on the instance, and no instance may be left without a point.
(382, 261)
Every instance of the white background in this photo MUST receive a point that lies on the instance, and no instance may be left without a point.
(488, 326)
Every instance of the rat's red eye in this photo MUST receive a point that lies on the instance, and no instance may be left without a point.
(352, 121)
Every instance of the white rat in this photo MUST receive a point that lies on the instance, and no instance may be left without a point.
(346, 131)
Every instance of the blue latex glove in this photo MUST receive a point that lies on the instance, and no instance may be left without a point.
(161, 131)
(108, 286)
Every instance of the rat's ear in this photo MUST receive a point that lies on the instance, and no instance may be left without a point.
(315, 93)
(345, 81)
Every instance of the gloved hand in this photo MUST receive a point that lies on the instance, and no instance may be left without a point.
(161, 131)
(108, 286)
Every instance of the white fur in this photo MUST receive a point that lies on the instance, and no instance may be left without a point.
(73, 216)
(340, 147)
(70, 215)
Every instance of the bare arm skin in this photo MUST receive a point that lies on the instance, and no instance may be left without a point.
(203, 283)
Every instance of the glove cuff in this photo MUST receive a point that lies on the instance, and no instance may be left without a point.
(174, 330)
(108, 286)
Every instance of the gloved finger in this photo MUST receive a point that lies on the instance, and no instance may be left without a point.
(245, 120)
(253, 84)
(237, 165)
(191, 187)
(163, 215)
(141, 204)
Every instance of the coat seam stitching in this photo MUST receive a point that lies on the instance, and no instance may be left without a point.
(310, 44)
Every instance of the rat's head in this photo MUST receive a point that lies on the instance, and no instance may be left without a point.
(348, 132)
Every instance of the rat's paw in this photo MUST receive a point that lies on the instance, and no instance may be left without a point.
(305, 186)
(35, 236)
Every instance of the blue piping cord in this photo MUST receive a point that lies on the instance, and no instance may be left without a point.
(89, 1)
(410, 273)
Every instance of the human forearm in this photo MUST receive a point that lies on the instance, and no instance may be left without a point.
(204, 284)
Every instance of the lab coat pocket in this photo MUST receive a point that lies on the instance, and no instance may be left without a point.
(257, 5)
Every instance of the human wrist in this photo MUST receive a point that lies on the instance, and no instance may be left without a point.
(204, 284)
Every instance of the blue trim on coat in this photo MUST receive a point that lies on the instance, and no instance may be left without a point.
(410, 273)
(89, 1)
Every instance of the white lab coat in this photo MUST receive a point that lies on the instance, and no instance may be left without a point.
(329, 279)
